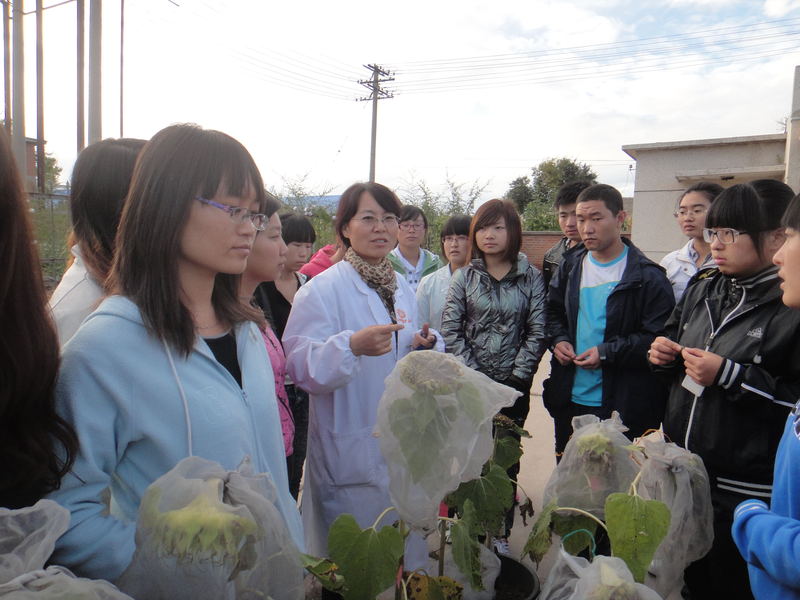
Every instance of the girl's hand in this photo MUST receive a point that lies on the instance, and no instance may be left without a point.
(423, 339)
(663, 351)
(701, 366)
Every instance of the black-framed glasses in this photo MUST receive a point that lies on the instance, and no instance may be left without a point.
(238, 214)
(411, 226)
(696, 212)
(726, 235)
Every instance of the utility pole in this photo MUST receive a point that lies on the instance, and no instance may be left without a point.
(95, 64)
(18, 105)
(121, 65)
(7, 66)
(40, 155)
(379, 76)
(81, 116)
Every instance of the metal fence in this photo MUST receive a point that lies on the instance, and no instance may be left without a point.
(51, 225)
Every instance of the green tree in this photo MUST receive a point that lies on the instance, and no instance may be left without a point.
(539, 217)
(456, 198)
(520, 193)
(551, 174)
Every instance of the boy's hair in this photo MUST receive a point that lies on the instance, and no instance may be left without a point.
(568, 193)
(609, 195)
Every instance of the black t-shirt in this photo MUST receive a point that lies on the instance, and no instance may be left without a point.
(275, 306)
(224, 349)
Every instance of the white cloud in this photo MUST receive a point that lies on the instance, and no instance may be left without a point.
(780, 8)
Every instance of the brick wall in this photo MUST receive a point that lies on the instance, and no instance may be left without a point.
(536, 243)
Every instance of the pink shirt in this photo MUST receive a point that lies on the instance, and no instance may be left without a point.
(278, 361)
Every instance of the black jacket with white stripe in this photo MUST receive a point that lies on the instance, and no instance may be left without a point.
(735, 424)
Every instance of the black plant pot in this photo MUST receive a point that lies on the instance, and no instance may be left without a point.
(516, 581)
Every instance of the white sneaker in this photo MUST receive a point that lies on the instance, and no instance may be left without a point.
(501, 546)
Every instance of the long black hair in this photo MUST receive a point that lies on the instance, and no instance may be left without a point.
(37, 447)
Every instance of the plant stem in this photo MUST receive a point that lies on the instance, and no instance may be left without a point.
(442, 543)
(380, 516)
(633, 491)
(584, 513)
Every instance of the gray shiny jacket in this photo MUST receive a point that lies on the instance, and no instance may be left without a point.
(497, 327)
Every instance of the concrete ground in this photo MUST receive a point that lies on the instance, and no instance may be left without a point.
(538, 462)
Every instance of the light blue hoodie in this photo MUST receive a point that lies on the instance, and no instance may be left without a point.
(138, 409)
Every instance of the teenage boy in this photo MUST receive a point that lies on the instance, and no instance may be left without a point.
(606, 303)
(408, 258)
(565, 210)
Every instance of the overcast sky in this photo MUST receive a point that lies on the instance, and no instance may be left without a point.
(483, 91)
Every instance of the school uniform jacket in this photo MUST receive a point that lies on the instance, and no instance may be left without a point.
(735, 424)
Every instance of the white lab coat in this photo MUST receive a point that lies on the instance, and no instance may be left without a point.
(345, 472)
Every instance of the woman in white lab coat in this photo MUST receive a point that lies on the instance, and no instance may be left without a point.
(348, 328)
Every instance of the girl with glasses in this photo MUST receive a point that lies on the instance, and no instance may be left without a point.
(171, 364)
(432, 290)
(732, 354)
(682, 264)
(409, 259)
(348, 327)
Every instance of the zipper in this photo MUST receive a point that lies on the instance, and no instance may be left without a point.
(728, 318)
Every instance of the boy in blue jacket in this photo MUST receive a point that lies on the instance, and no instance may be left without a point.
(769, 536)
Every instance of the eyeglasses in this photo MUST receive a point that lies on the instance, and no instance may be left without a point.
(726, 235)
(238, 214)
(388, 221)
(682, 213)
(409, 226)
(454, 239)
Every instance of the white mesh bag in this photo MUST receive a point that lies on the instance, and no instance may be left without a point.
(679, 479)
(596, 462)
(27, 539)
(435, 429)
(204, 532)
(605, 578)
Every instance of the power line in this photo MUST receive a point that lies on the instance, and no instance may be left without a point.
(596, 47)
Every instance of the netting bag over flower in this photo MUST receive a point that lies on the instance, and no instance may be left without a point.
(605, 578)
(204, 532)
(27, 539)
(435, 429)
(679, 479)
(596, 462)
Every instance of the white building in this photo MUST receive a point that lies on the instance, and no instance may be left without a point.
(665, 169)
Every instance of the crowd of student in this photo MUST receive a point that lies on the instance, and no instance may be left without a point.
(193, 320)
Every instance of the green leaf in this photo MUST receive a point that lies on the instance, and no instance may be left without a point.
(574, 544)
(470, 400)
(324, 570)
(466, 551)
(491, 493)
(541, 537)
(368, 559)
(421, 427)
(636, 527)
(507, 451)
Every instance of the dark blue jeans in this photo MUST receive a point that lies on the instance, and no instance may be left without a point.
(298, 402)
